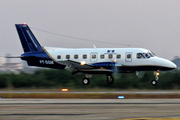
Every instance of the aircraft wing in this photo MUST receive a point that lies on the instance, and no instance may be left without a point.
(95, 67)
(78, 65)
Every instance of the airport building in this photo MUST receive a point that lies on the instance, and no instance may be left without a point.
(9, 65)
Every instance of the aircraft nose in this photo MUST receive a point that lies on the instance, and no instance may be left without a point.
(168, 65)
(172, 65)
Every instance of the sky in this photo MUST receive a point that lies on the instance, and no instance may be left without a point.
(150, 24)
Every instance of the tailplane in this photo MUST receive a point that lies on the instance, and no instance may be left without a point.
(28, 40)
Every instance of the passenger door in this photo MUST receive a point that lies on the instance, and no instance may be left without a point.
(93, 57)
(128, 57)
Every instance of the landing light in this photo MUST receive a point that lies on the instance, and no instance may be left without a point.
(83, 63)
(64, 90)
(157, 74)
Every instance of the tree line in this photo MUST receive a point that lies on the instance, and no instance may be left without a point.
(52, 78)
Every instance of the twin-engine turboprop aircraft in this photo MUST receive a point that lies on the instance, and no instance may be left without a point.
(91, 61)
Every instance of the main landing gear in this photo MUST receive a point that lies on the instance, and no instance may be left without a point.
(110, 79)
(86, 80)
(154, 82)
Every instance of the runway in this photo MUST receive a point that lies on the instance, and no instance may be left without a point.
(88, 109)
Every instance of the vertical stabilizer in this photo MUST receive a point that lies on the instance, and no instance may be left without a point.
(28, 40)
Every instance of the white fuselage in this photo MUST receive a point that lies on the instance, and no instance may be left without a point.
(122, 56)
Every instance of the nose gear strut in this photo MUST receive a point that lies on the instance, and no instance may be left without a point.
(154, 82)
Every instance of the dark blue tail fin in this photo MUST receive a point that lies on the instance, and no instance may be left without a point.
(34, 54)
(28, 40)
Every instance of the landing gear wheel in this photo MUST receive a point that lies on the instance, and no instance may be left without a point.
(86, 81)
(110, 80)
(154, 82)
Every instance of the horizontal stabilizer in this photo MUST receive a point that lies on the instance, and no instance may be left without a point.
(20, 56)
(13, 56)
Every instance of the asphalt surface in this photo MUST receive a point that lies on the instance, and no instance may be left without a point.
(88, 109)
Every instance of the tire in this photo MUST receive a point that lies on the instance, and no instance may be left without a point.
(154, 82)
(86, 81)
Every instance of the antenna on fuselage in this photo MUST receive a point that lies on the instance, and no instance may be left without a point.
(94, 46)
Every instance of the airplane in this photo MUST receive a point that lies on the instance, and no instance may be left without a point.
(90, 61)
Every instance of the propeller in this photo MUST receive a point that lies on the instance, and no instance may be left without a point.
(116, 70)
(140, 74)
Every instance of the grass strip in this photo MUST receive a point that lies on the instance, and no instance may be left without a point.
(87, 95)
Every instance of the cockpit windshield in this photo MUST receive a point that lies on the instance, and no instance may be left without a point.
(149, 54)
(152, 53)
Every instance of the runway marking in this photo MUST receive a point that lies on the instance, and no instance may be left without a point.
(32, 106)
(151, 119)
(104, 103)
(45, 114)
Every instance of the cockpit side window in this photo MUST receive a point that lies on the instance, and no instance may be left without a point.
(140, 56)
(146, 55)
(151, 54)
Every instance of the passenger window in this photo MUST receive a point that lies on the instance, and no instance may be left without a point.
(84, 56)
(128, 55)
(59, 57)
(102, 56)
(118, 56)
(93, 56)
(75, 56)
(67, 56)
(110, 56)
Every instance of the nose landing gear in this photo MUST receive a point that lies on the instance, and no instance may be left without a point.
(154, 82)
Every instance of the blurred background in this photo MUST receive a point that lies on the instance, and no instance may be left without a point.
(154, 25)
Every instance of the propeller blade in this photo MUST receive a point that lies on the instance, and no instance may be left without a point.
(140, 74)
(116, 70)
